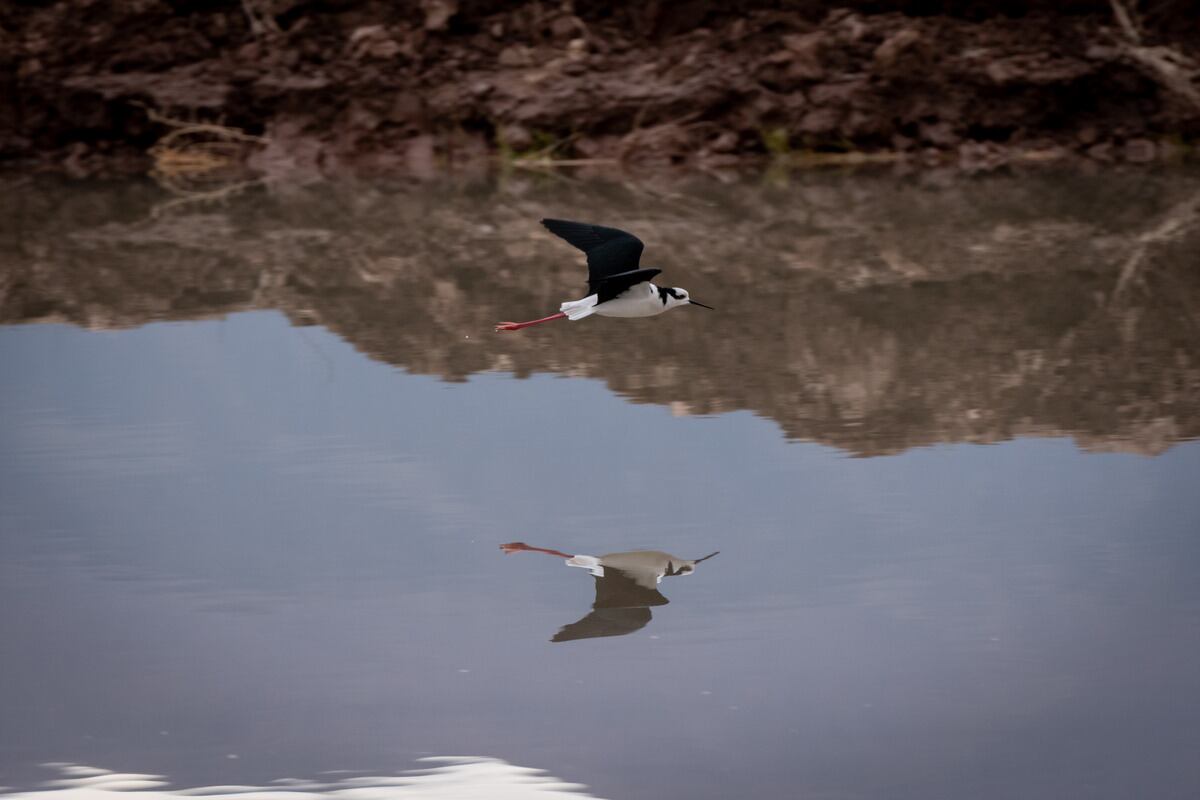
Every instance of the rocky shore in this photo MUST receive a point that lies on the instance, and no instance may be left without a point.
(339, 86)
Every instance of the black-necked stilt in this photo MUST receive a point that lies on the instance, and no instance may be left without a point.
(626, 588)
(617, 286)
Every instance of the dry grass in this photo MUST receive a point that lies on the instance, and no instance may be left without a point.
(193, 148)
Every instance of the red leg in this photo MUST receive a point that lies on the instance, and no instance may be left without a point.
(516, 326)
(517, 547)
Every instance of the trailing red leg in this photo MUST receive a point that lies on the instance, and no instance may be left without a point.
(517, 547)
(516, 326)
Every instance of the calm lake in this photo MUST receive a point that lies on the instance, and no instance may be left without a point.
(260, 448)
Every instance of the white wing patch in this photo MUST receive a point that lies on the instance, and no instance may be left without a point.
(578, 309)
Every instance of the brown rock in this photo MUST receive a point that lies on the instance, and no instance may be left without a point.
(587, 147)
(902, 52)
(386, 49)
(291, 148)
(939, 133)
(1100, 52)
(516, 56)
(29, 67)
(1139, 151)
(981, 155)
(837, 93)
(1102, 151)
(1167, 150)
(577, 48)
(820, 121)
(515, 136)
(438, 13)
(805, 50)
(727, 142)
(862, 123)
(73, 164)
(564, 26)
(419, 156)
(373, 41)
(598, 146)
(406, 107)
(1043, 152)
(850, 28)
(1000, 72)
(295, 83)
(663, 144)
(361, 118)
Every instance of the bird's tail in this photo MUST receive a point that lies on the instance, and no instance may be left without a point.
(578, 309)
(590, 563)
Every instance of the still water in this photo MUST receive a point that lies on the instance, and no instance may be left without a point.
(275, 503)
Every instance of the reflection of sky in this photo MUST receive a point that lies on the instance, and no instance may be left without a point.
(241, 537)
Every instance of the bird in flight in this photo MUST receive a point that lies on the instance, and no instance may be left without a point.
(617, 285)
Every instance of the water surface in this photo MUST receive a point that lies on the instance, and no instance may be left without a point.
(259, 451)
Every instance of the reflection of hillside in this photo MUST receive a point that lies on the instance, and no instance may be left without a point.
(870, 313)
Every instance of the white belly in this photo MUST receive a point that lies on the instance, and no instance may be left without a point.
(639, 300)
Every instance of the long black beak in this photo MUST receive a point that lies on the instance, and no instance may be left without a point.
(693, 302)
(710, 555)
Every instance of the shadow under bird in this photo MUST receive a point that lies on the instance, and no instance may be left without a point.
(626, 588)
(617, 285)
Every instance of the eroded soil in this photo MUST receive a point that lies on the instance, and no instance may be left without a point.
(406, 86)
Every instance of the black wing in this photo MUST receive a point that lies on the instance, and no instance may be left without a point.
(605, 622)
(622, 606)
(612, 255)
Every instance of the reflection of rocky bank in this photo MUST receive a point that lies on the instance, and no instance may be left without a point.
(870, 313)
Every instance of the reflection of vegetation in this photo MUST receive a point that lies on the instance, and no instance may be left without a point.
(874, 314)
(777, 142)
(191, 149)
(544, 150)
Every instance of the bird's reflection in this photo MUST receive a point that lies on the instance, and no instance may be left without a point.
(626, 588)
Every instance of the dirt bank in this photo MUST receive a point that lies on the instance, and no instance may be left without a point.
(383, 85)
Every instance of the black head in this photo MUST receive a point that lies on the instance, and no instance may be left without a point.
(686, 567)
(672, 296)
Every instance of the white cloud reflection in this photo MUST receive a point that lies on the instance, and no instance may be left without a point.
(446, 778)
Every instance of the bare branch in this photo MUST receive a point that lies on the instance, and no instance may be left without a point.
(188, 126)
(1177, 222)
(1125, 19)
(261, 21)
(1170, 68)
